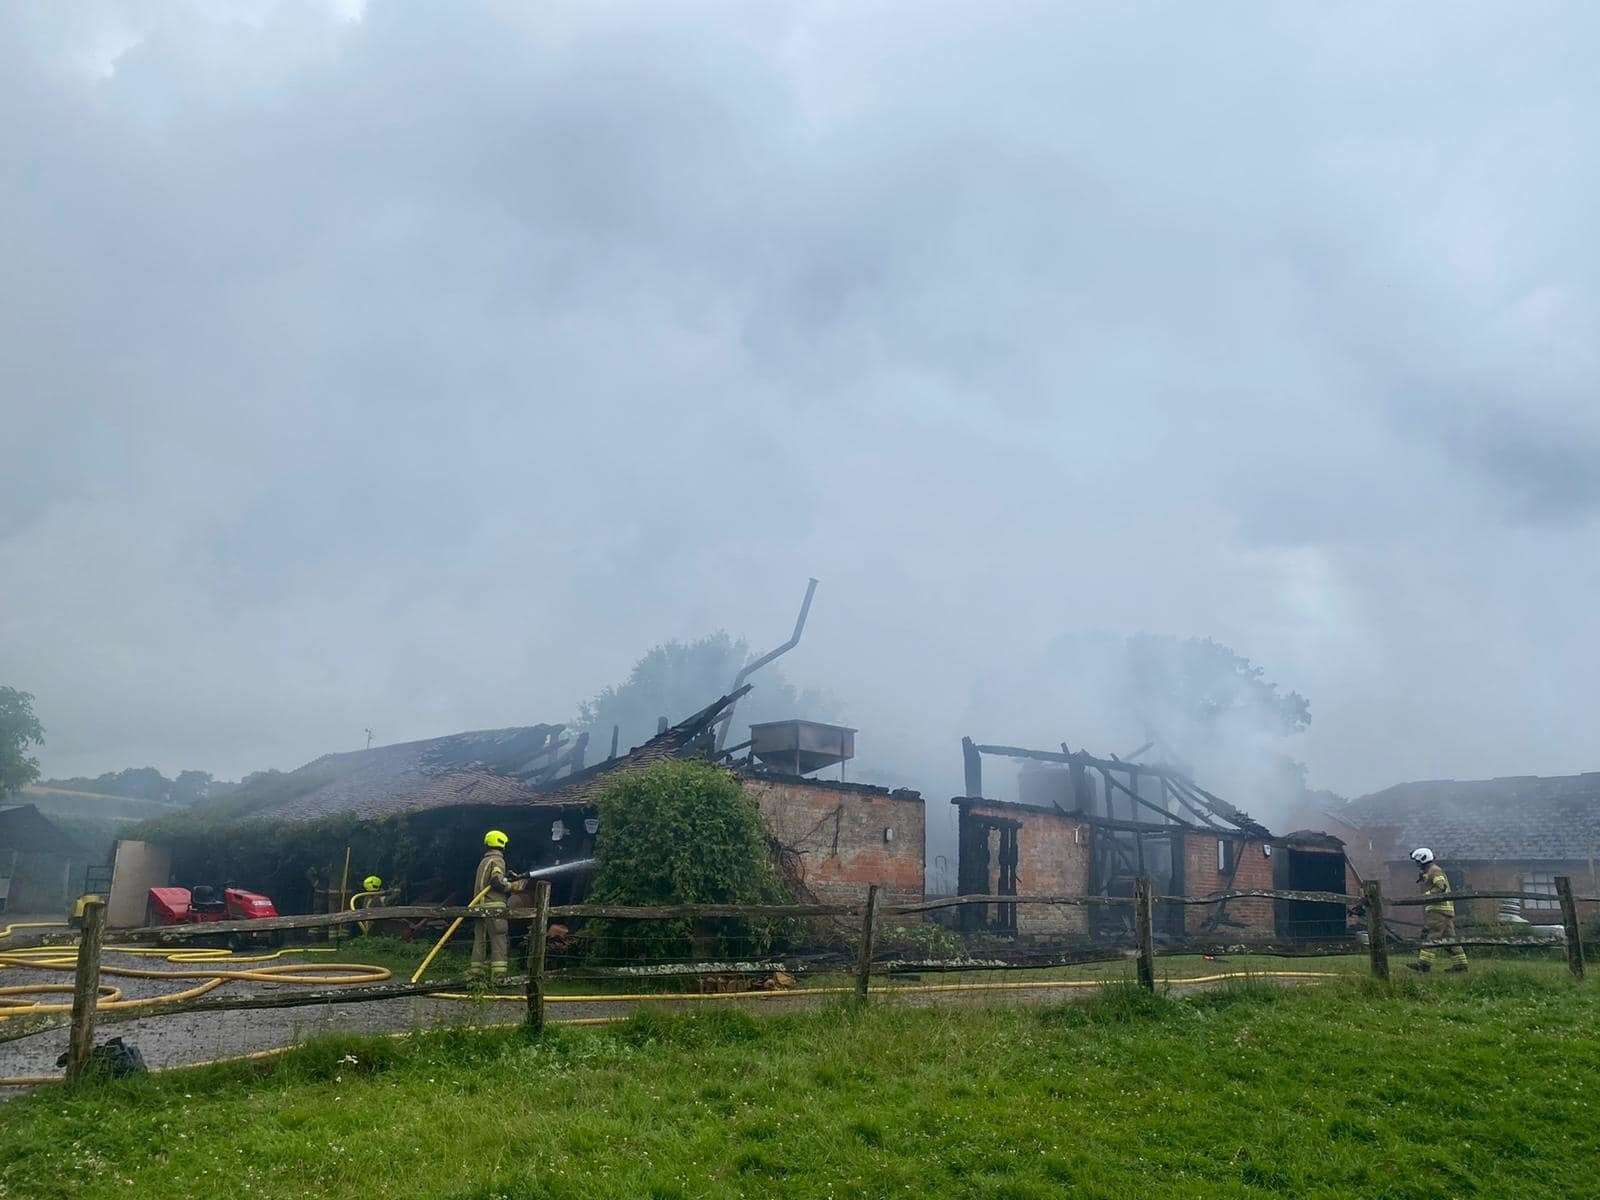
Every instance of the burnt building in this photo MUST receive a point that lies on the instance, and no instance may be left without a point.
(415, 814)
(1084, 825)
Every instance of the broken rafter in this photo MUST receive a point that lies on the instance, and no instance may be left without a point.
(1229, 813)
(1174, 818)
(1201, 799)
(1172, 790)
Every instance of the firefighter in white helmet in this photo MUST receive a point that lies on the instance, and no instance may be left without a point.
(1438, 917)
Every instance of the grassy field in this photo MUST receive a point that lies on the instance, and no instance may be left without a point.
(1486, 1086)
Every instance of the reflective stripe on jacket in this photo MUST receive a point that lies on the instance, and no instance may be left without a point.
(491, 874)
(1436, 882)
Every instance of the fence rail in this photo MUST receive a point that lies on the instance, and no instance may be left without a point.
(1141, 946)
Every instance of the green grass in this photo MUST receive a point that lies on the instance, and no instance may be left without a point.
(1485, 1086)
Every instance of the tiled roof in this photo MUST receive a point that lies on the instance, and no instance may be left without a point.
(465, 768)
(487, 767)
(1520, 817)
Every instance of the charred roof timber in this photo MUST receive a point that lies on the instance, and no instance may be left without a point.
(1175, 787)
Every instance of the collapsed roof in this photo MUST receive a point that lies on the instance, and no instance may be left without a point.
(1183, 801)
(532, 765)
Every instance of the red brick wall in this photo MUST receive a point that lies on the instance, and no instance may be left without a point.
(1053, 857)
(1201, 877)
(838, 831)
(1401, 880)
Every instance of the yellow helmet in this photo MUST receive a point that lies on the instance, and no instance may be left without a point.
(495, 840)
(372, 883)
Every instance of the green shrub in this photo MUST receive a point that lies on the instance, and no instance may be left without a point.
(683, 832)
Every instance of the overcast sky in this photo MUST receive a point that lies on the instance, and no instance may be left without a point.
(417, 366)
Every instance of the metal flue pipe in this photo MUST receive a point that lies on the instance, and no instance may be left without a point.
(752, 668)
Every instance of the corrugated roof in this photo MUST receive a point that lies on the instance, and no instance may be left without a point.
(1519, 817)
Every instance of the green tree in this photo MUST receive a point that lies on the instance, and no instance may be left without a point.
(683, 832)
(1200, 683)
(191, 786)
(677, 678)
(19, 729)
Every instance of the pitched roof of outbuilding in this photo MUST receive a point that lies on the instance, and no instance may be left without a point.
(24, 828)
(480, 767)
(492, 767)
(1519, 817)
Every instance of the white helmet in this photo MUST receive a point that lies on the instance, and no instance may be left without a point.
(1422, 856)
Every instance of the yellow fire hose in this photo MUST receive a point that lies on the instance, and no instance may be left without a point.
(337, 974)
(439, 945)
(364, 900)
(64, 958)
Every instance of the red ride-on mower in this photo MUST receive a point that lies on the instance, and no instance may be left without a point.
(201, 905)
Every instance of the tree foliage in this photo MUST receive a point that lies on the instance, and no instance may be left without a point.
(147, 783)
(676, 679)
(19, 729)
(1202, 683)
(683, 832)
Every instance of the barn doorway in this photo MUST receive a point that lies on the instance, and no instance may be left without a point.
(1310, 871)
(988, 867)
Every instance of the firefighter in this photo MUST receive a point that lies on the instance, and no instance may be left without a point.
(492, 935)
(371, 895)
(1438, 917)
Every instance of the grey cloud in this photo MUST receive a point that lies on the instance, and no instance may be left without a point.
(420, 368)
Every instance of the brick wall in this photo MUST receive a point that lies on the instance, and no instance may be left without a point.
(1201, 876)
(838, 831)
(1053, 857)
(1401, 880)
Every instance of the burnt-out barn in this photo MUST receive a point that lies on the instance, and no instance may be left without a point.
(415, 814)
(1083, 825)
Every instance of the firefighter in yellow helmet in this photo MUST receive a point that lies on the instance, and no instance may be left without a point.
(1438, 916)
(491, 941)
(371, 895)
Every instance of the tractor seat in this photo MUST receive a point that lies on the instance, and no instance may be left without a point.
(205, 899)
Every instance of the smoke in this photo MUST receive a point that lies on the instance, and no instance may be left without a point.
(417, 367)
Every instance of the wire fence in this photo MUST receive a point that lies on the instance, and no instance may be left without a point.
(938, 948)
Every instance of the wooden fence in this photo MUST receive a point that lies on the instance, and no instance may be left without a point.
(1372, 905)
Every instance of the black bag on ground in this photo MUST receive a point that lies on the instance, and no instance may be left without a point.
(113, 1057)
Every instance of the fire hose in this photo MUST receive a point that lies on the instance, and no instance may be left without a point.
(64, 958)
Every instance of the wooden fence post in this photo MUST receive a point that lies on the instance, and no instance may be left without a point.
(1569, 919)
(869, 930)
(537, 935)
(1377, 941)
(85, 989)
(1144, 926)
